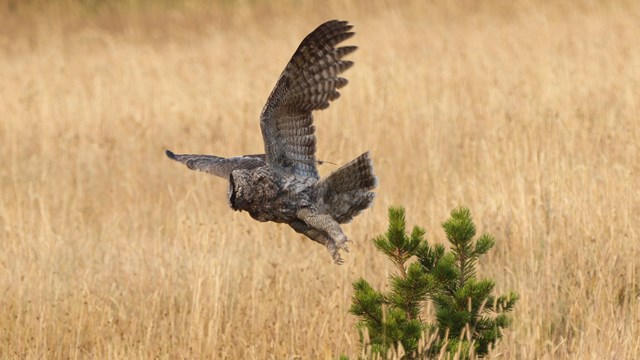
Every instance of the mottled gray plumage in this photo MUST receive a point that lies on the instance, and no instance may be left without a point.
(283, 184)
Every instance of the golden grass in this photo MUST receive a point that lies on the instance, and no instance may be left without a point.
(527, 113)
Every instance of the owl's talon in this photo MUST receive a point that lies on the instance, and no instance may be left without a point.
(342, 243)
(336, 257)
(335, 253)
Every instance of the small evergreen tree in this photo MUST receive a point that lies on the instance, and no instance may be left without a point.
(468, 318)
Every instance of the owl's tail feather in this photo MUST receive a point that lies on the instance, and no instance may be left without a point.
(347, 191)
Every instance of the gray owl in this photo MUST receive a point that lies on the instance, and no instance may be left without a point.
(283, 184)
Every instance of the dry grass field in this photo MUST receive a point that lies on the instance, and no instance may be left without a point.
(527, 112)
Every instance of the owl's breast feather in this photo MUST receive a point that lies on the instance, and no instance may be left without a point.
(281, 196)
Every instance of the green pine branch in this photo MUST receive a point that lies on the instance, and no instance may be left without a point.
(469, 319)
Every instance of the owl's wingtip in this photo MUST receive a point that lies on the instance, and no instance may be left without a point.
(170, 154)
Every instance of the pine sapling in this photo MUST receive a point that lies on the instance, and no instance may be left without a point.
(468, 318)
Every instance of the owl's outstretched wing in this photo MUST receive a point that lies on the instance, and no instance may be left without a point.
(216, 165)
(309, 82)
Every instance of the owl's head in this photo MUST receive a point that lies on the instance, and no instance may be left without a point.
(238, 185)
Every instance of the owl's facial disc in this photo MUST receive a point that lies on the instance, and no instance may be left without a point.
(232, 193)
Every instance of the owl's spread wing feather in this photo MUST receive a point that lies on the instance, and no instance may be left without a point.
(347, 191)
(309, 82)
(216, 165)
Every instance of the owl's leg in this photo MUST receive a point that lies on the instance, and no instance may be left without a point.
(328, 225)
(318, 236)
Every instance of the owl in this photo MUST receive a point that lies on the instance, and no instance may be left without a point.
(282, 185)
